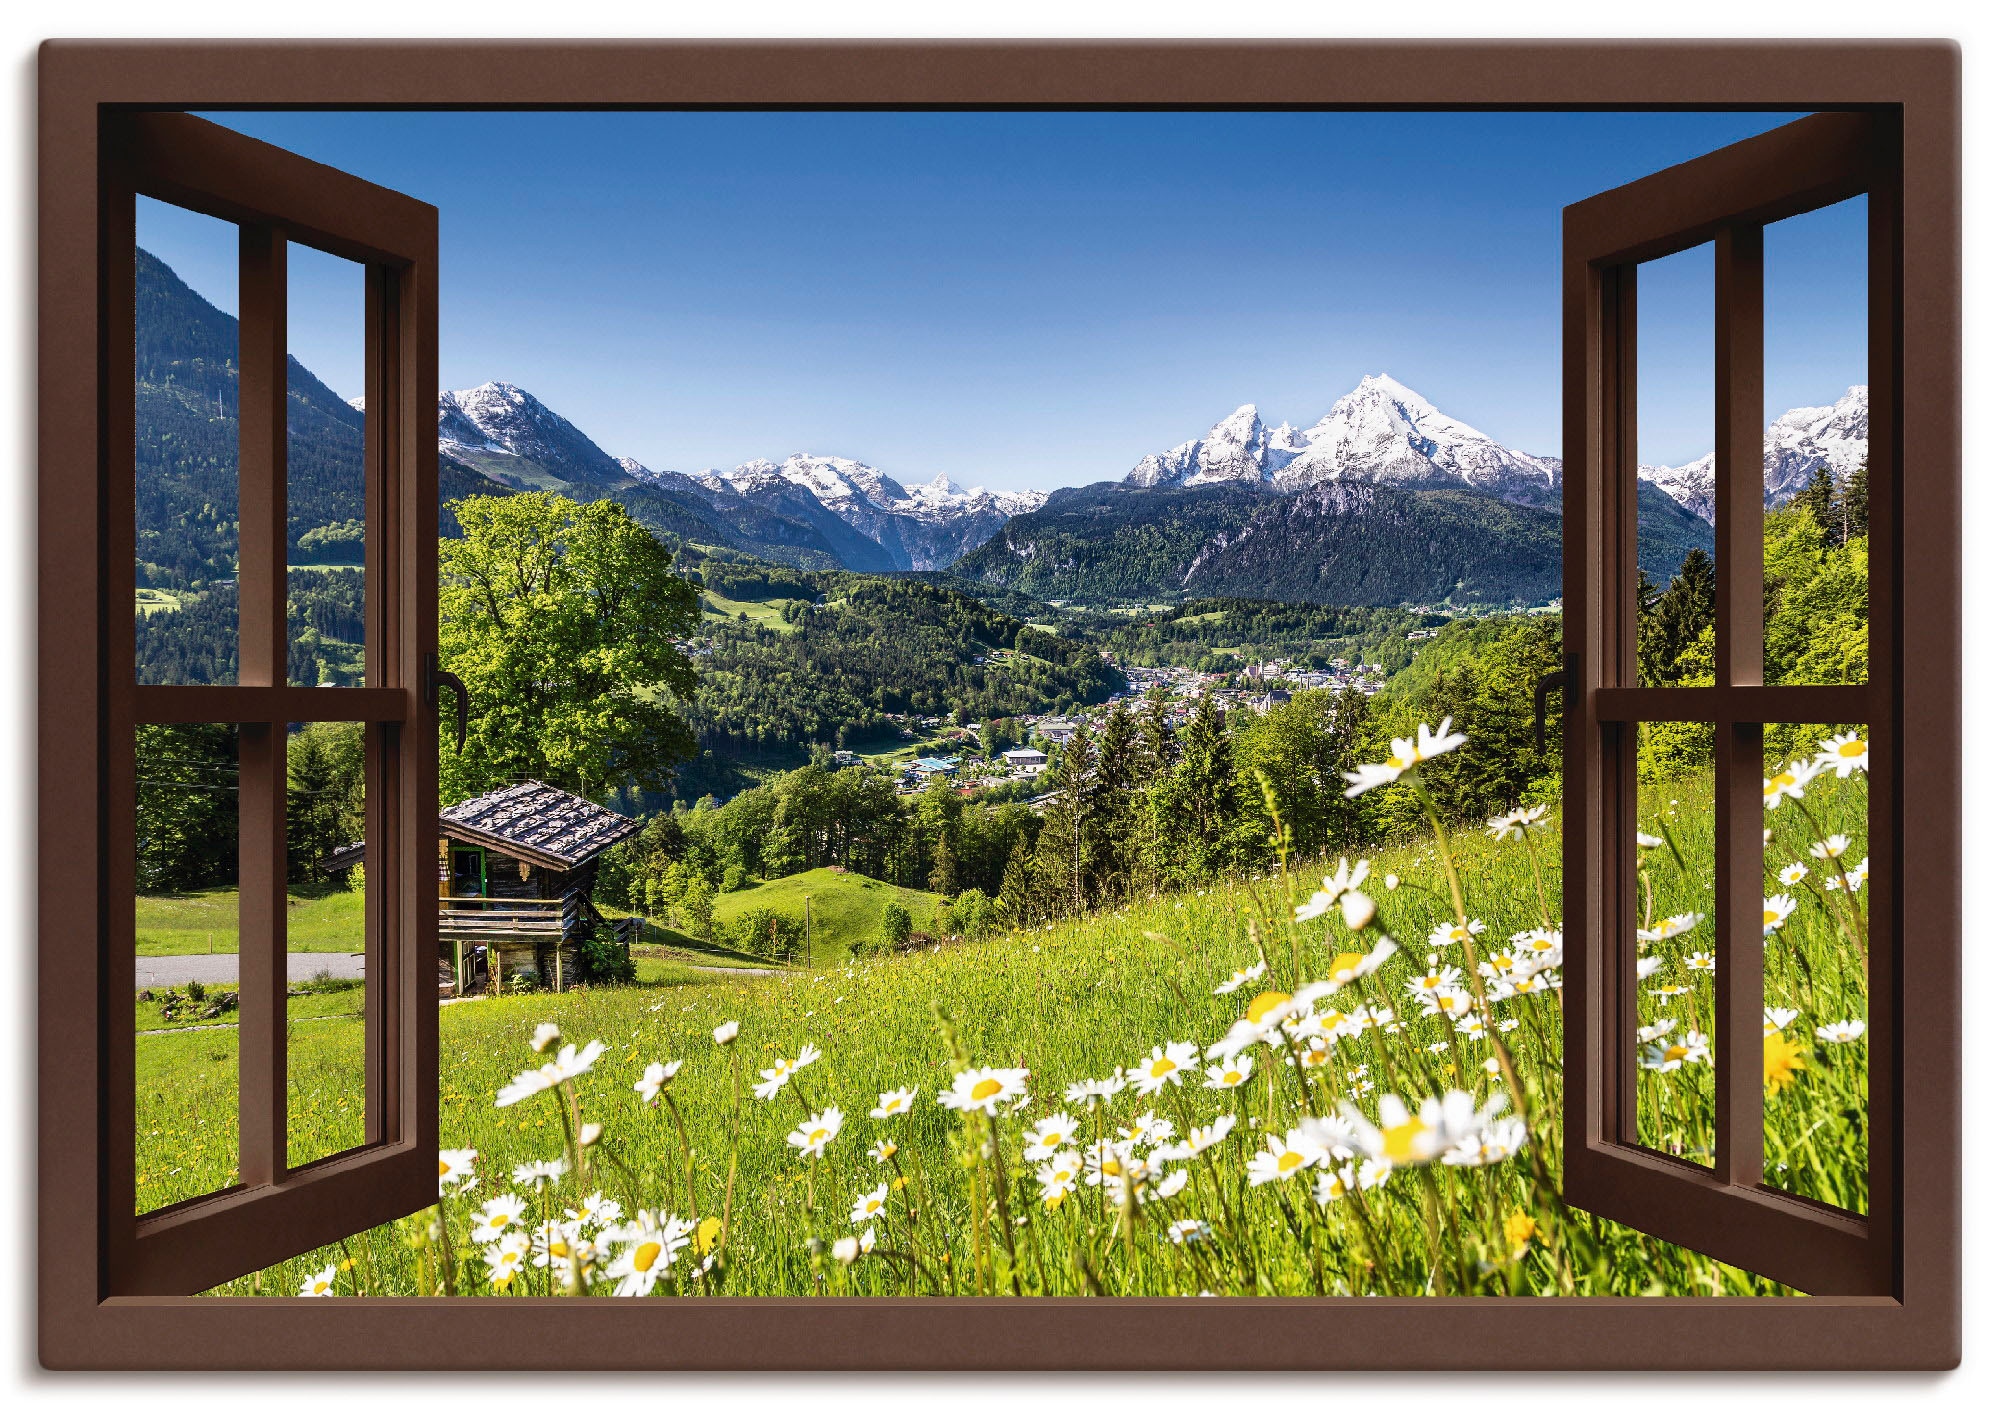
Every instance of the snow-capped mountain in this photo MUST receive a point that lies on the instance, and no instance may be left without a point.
(502, 431)
(1380, 433)
(1795, 445)
(922, 528)
(815, 504)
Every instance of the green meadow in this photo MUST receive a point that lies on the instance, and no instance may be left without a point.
(846, 906)
(204, 922)
(967, 1212)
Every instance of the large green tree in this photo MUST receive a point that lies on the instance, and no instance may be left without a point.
(565, 622)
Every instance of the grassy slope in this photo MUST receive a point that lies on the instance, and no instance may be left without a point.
(204, 922)
(846, 907)
(1073, 1000)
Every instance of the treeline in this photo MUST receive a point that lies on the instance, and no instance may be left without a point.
(859, 649)
(186, 816)
(196, 644)
(1197, 634)
(812, 817)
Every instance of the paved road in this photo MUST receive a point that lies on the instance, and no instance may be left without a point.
(173, 970)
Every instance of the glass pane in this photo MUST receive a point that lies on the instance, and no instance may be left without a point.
(1815, 963)
(1676, 989)
(1675, 502)
(184, 447)
(325, 939)
(185, 917)
(326, 336)
(1816, 447)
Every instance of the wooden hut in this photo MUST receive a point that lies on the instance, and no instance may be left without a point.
(516, 869)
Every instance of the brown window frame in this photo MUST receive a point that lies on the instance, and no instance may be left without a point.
(275, 199)
(85, 1322)
(1726, 197)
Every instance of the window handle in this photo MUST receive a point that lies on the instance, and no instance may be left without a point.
(1564, 680)
(436, 680)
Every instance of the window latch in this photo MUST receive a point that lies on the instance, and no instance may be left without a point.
(436, 681)
(1564, 680)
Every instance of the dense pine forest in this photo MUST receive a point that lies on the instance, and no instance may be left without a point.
(841, 653)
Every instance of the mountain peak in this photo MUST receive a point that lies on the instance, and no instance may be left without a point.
(504, 432)
(1380, 432)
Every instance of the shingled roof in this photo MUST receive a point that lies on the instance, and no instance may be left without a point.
(536, 823)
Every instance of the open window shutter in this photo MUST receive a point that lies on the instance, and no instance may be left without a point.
(1727, 197)
(277, 199)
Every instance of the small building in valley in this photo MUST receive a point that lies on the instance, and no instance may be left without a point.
(1025, 763)
(516, 868)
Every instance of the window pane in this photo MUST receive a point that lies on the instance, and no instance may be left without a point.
(326, 333)
(185, 917)
(1816, 447)
(1815, 963)
(1676, 936)
(1675, 500)
(184, 446)
(325, 939)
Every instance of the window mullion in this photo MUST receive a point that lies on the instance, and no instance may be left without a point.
(1739, 663)
(261, 660)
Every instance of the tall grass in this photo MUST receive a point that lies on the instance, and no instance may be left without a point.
(1321, 1187)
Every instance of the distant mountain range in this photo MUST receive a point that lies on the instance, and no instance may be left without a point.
(1383, 500)
(811, 510)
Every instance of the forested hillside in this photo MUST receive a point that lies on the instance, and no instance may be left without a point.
(843, 652)
(1337, 543)
(1217, 633)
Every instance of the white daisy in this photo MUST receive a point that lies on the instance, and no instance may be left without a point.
(1284, 1158)
(654, 1080)
(496, 1216)
(1231, 1073)
(319, 1283)
(454, 1165)
(1833, 847)
(1163, 1067)
(1848, 1030)
(872, 1204)
(1843, 753)
(984, 1088)
(1450, 933)
(1513, 826)
(567, 1066)
(814, 1133)
(646, 1249)
(1776, 909)
(1048, 1135)
(542, 1171)
(892, 1103)
(1242, 976)
(1793, 873)
(1790, 781)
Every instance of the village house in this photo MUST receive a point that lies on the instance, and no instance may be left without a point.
(516, 868)
(1025, 762)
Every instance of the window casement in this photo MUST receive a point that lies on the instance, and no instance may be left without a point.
(112, 1284)
(275, 200)
(1726, 1209)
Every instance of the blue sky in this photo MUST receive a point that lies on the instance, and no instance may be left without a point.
(1024, 300)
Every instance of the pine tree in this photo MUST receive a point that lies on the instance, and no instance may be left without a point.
(1676, 619)
(1017, 900)
(1853, 504)
(1817, 497)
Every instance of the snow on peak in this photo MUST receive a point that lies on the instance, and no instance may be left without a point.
(1796, 444)
(1380, 432)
